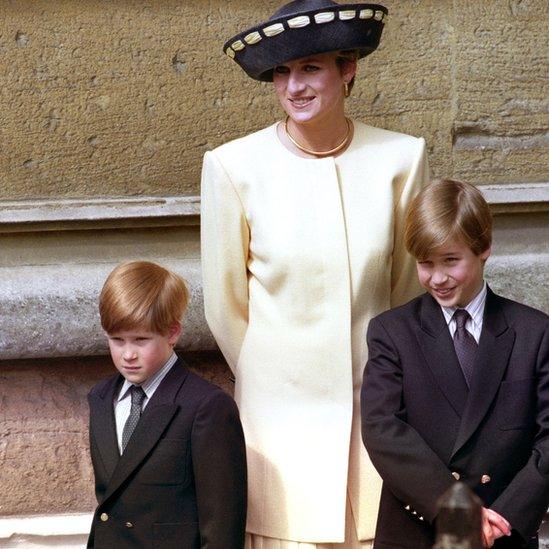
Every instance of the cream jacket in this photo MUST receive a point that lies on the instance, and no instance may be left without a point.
(298, 255)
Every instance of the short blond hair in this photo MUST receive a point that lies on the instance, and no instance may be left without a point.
(448, 210)
(143, 295)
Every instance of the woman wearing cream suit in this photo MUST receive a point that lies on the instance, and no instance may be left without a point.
(301, 247)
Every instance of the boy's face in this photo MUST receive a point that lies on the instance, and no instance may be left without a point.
(452, 273)
(139, 354)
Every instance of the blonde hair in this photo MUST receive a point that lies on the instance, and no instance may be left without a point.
(447, 210)
(143, 295)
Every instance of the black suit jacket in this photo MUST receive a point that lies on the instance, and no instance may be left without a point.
(420, 422)
(181, 481)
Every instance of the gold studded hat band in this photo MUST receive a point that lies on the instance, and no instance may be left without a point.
(306, 27)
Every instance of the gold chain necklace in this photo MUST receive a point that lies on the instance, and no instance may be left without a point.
(336, 149)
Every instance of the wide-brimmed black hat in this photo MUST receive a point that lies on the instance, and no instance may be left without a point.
(306, 27)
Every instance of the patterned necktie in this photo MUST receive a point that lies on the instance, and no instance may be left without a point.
(138, 396)
(465, 345)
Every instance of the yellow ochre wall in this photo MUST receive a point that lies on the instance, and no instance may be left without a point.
(122, 97)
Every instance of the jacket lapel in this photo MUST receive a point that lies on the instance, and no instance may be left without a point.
(155, 419)
(495, 346)
(103, 424)
(438, 350)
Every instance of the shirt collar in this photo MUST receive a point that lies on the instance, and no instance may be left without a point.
(475, 308)
(149, 385)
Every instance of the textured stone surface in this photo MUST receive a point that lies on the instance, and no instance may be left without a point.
(45, 542)
(50, 280)
(96, 96)
(519, 262)
(500, 128)
(63, 214)
(52, 311)
(522, 278)
(122, 98)
(51, 530)
(44, 460)
(44, 457)
(50, 283)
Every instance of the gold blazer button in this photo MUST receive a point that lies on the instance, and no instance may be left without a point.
(129, 525)
(485, 479)
(456, 475)
(104, 517)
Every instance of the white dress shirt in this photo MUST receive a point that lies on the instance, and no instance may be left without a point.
(475, 308)
(123, 402)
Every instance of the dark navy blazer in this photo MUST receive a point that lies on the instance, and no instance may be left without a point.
(423, 427)
(181, 481)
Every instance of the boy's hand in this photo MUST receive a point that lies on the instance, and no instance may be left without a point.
(494, 526)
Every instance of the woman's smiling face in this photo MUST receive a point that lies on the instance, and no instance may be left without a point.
(311, 88)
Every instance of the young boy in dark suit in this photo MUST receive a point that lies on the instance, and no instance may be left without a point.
(457, 385)
(167, 447)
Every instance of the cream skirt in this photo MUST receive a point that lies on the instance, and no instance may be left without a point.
(351, 542)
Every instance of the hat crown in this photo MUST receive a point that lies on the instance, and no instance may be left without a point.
(302, 28)
(301, 6)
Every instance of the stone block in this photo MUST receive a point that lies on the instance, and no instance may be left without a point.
(52, 310)
(501, 111)
(44, 457)
(521, 278)
(68, 531)
(48, 464)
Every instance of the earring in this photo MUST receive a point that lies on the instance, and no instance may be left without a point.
(346, 91)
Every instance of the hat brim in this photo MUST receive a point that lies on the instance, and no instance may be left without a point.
(348, 27)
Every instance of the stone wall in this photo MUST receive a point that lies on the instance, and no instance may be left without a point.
(122, 98)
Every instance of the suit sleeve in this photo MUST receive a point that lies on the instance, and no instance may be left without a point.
(94, 454)
(219, 465)
(404, 281)
(224, 250)
(524, 502)
(407, 465)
